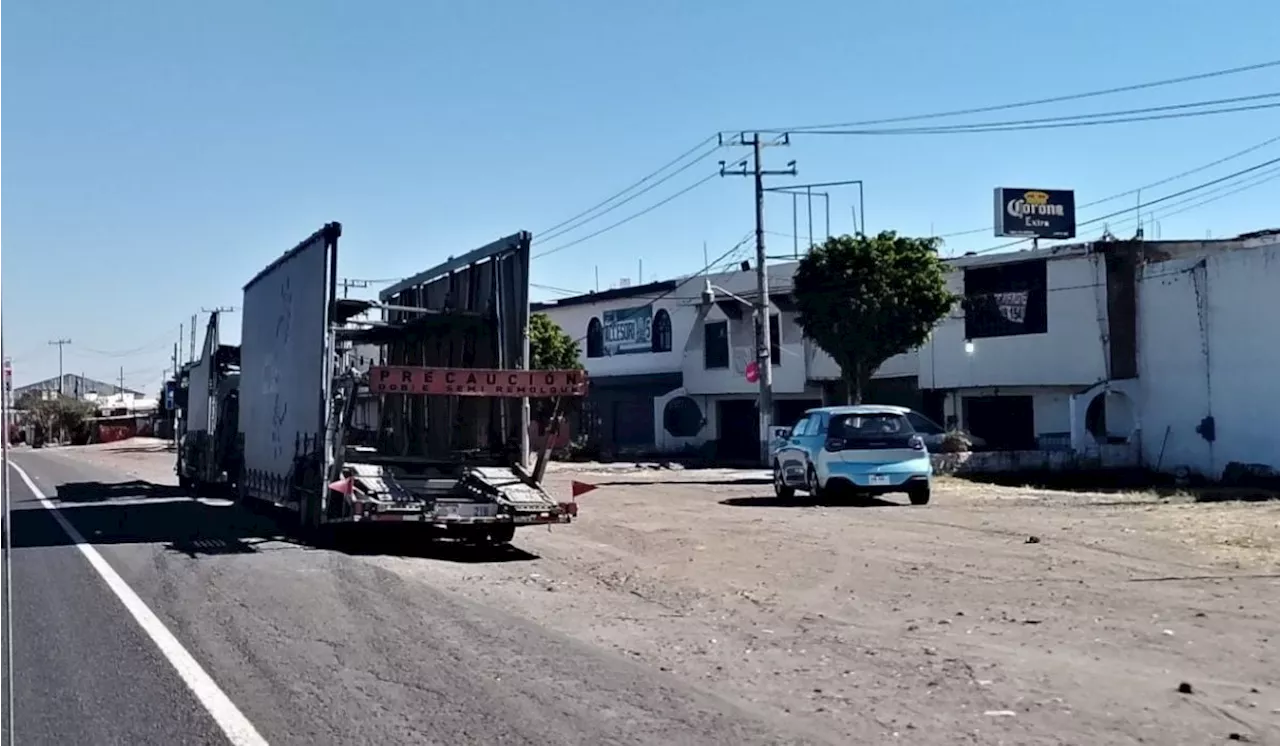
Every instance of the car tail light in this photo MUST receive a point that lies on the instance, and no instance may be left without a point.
(834, 444)
(917, 443)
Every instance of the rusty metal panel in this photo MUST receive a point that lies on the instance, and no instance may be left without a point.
(492, 282)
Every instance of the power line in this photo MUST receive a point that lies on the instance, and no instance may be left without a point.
(631, 217)
(554, 289)
(1140, 189)
(711, 264)
(642, 192)
(642, 181)
(152, 347)
(1222, 191)
(1082, 120)
(1040, 101)
(1158, 200)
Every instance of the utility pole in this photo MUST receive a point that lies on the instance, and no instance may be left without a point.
(764, 343)
(348, 283)
(60, 343)
(194, 321)
(182, 335)
(121, 391)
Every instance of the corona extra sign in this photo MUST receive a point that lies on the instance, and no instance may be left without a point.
(1038, 213)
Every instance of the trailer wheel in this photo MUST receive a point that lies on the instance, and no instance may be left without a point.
(500, 534)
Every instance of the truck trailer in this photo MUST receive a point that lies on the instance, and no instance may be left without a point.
(409, 409)
(208, 453)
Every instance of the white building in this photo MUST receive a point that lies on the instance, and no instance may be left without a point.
(1150, 345)
(669, 371)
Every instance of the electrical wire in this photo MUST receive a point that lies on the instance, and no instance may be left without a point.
(642, 192)
(630, 217)
(554, 289)
(667, 294)
(159, 342)
(641, 182)
(1140, 189)
(1222, 191)
(1037, 102)
(1082, 120)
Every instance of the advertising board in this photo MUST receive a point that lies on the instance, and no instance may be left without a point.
(628, 330)
(1037, 213)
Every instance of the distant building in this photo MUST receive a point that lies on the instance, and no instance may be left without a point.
(74, 386)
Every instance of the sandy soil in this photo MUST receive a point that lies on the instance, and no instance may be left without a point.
(994, 615)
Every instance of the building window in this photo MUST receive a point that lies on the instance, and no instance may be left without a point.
(661, 336)
(595, 338)
(1006, 300)
(715, 344)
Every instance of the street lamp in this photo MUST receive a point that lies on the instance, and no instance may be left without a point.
(709, 296)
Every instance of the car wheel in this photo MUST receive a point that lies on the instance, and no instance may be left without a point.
(814, 486)
(780, 488)
(919, 495)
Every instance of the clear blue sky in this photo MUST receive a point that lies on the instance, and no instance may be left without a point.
(156, 155)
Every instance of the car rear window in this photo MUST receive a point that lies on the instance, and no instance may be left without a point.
(869, 426)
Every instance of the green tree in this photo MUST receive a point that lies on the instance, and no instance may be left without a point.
(61, 417)
(865, 299)
(549, 347)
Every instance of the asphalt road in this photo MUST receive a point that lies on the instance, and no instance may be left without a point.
(313, 646)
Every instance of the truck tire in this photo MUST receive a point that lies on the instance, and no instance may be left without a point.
(500, 534)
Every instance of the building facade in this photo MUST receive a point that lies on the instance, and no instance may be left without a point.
(668, 366)
(1163, 350)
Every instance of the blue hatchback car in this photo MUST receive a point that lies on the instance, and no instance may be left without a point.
(863, 448)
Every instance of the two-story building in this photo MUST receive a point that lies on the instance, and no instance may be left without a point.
(1166, 347)
(669, 369)
(1117, 343)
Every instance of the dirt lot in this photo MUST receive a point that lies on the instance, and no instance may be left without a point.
(993, 615)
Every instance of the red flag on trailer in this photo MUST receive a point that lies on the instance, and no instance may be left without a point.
(344, 486)
(582, 488)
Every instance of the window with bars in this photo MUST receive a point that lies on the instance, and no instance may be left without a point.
(715, 347)
(1006, 300)
(661, 335)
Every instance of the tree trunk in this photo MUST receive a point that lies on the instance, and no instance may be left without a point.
(854, 383)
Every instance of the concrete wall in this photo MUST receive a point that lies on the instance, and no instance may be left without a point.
(1071, 353)
(1209, 344)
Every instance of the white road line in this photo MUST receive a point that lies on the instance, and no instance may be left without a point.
(233, 723)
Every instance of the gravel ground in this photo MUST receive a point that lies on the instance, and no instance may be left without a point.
(993, 615)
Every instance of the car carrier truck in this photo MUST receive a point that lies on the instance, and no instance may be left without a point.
(412, 408)
(208, 454)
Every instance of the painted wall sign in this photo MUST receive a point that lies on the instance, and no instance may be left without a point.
(407, 379)
(628, 331)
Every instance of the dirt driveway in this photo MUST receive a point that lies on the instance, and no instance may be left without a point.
(993, 615)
